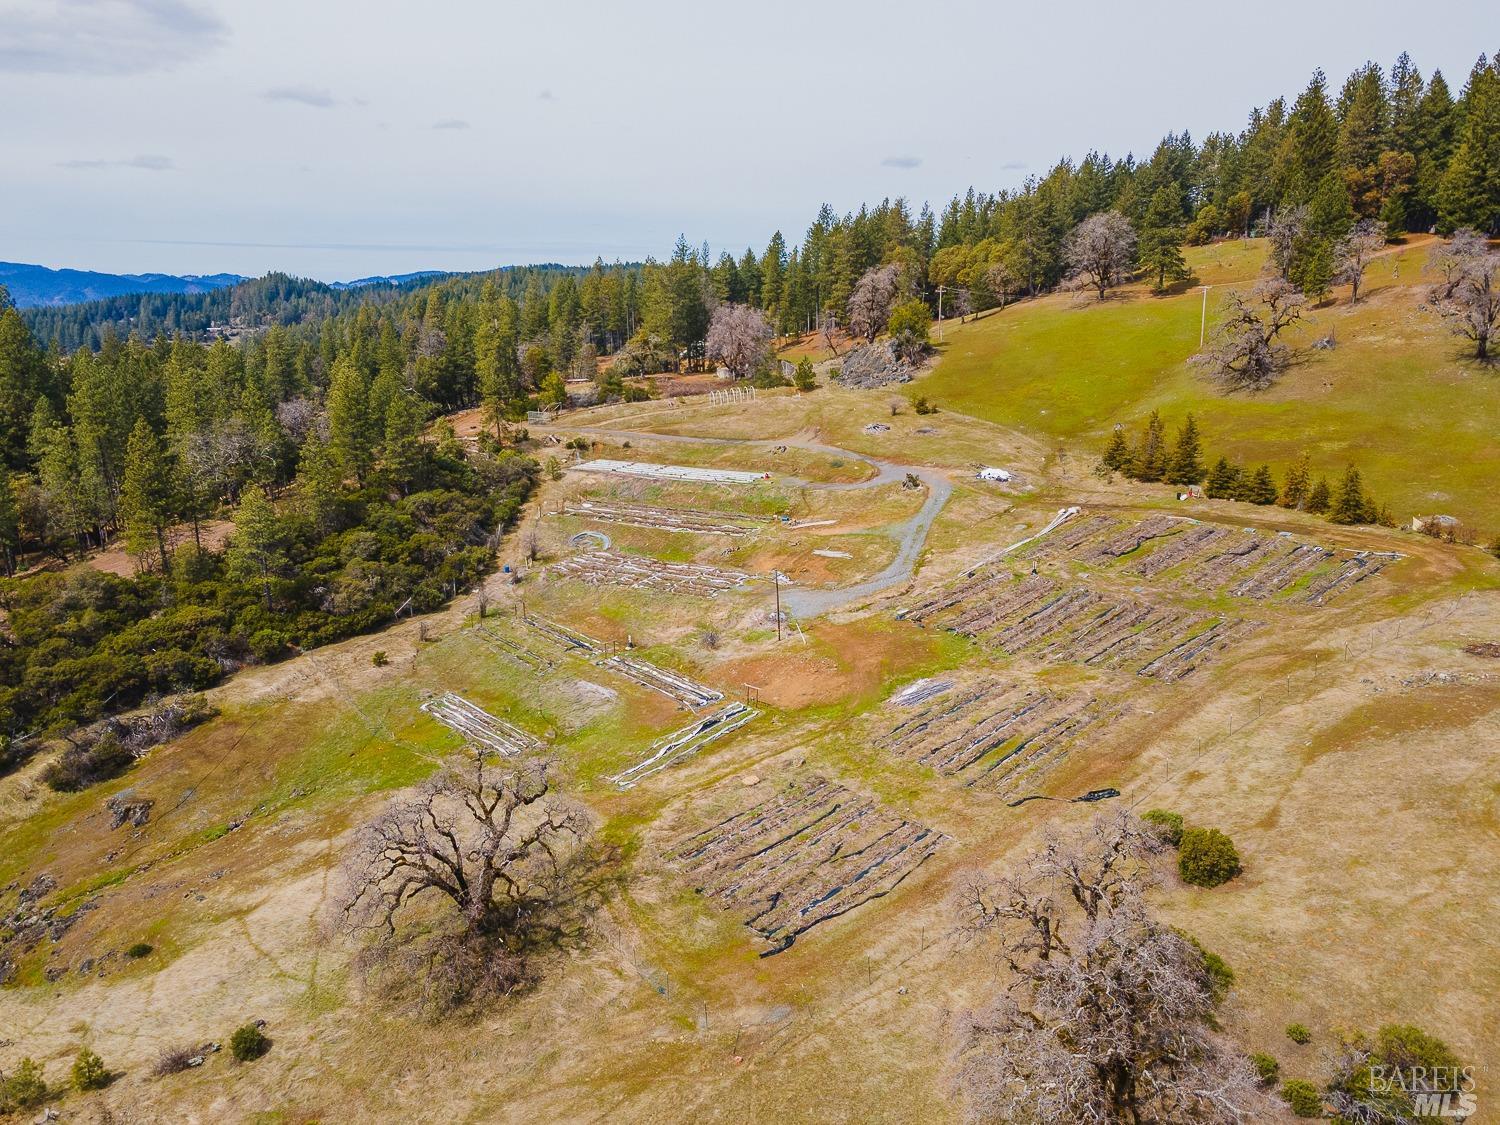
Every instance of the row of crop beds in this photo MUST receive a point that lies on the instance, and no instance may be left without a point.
(478, 726)
(995, 735)
(1040, 617)
(808, 852)
(1211, 559)
(700, 521)
(609, 568)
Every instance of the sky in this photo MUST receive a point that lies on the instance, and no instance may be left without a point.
(343, 138)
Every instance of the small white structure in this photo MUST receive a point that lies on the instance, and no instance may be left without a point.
(989, 472)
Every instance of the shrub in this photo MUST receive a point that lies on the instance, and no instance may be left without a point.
(1298, 1033)
(1267, 1069)
(138, 950)
(1303, 1097)
(922, 406)
(1166, 825)
(380, 659)
(173, 1060)
(80, 767)
(24, 1089)
(1206, 857)
(267, 645)
(89, 1072)
(248, 1042)
(1362, 1090)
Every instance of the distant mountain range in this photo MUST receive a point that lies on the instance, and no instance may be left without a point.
(31, 286)
(34, 286)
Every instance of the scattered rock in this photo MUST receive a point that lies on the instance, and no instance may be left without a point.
(873, 365)
(877, 428)
(196, 1060)
(1484, 648)
(749, 779)
(126, 808)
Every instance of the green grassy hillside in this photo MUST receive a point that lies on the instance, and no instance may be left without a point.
(1398, 395)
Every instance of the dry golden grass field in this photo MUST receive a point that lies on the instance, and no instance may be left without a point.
(1341, 735)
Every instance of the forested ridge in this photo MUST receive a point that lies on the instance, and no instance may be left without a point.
(311, 430)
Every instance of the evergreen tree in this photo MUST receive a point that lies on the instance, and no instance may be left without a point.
(351, 427)
(1350, 504)
(1150, 460)
(10, 524)
(803, 377)
(555, 390)
(1160, 242)
(1260, 488)
(1298, 483)
(1117, 454)
(319, 487)
(1318, 498)
(1310, 145)
(1186, 466)
(401, 449)
(257, 549)
(1223, 481)
(146, 500)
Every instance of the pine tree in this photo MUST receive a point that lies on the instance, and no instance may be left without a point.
(555, 390)
(319, 488)
(1186, 466)
(10, 524)
(1318, 498)
(257, 550)
(1223, 481)
(401, 450)
(1349, 503)
(1160, 243)
(1298, 484)
(146, 501)
(1310, 144)
(1117, 454)
(803, 378)
(1149, 461)
(351, 431)
(1261, 487)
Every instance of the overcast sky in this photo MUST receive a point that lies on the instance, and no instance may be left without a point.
(341, 138)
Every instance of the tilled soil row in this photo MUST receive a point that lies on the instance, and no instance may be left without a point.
(811, 851)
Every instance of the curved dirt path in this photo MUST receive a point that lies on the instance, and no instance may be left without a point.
(910, 536)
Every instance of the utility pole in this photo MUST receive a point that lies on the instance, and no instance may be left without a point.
(776, 585)
(940, 314)
(1203, 320)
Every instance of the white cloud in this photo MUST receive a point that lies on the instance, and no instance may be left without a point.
(314, 96)
(105, 37)
(147, 163)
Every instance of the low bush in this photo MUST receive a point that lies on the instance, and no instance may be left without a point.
(138, 950)
(1206, 857)
(1298, 1033)
(89, 1071)
(1267, 1069)
(248, 1042)
(1303, 1097)
(380, 659)
(80, 767)
(1166, 825)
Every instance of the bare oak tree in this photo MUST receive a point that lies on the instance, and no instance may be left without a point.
(487, 846)
(1468, 296)
(1101, 250)
(872, 300)
(1247, 353)
(1355, 251)
(1108, 1015)
(1284, 230)
(740, 338)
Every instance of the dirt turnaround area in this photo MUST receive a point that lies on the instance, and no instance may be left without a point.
(791, 777)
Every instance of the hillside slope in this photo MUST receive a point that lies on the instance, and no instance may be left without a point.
(1397, 394)
(32, 286)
